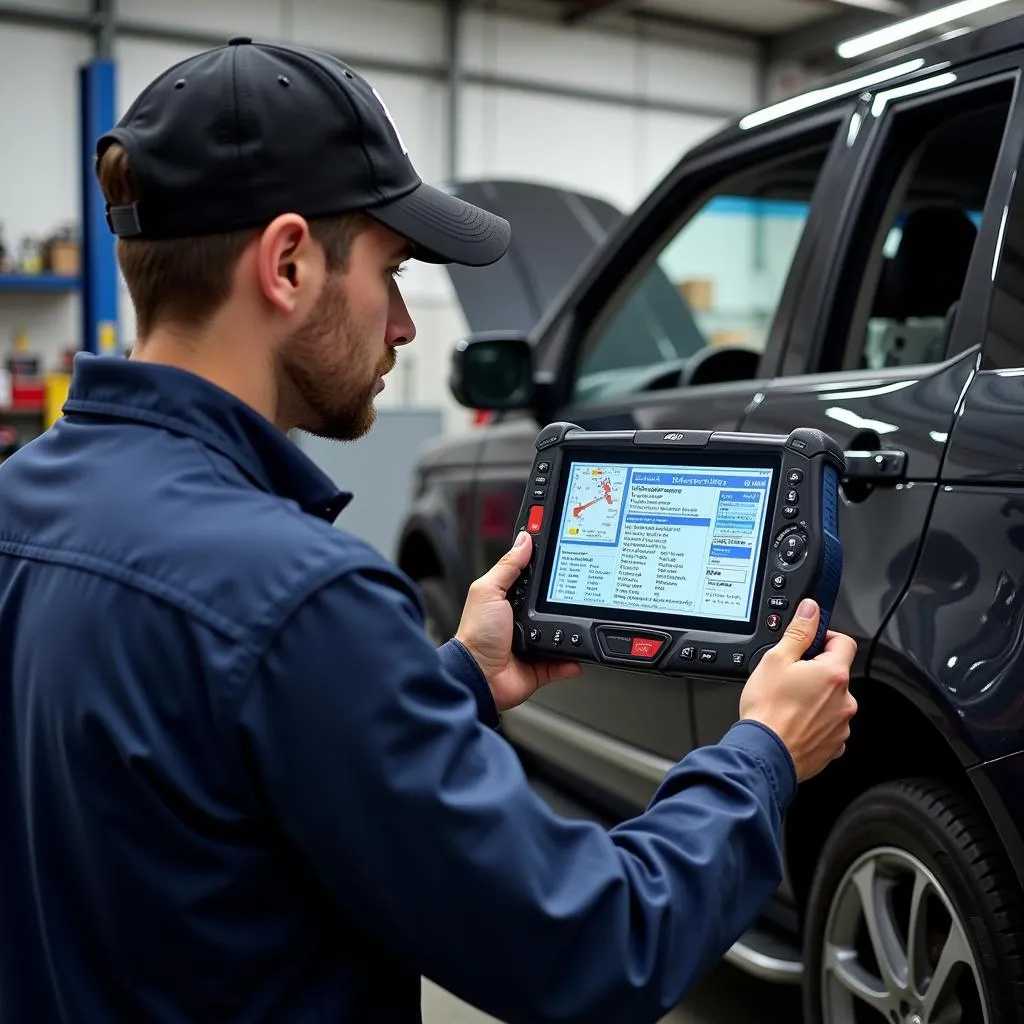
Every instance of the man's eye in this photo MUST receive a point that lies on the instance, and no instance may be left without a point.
(397, 271)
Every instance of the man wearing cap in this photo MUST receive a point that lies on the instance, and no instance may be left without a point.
(237, 783)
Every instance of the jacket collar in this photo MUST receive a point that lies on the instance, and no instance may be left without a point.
(176, 400)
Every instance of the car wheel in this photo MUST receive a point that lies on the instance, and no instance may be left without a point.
(441, 621)
(914, 915)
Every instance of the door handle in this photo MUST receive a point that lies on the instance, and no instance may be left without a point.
(884, 465)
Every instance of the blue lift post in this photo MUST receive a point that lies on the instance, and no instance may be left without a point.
(98, 92)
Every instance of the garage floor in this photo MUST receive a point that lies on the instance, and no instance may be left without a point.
(726, 997)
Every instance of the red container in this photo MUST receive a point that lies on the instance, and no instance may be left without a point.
(28, 392)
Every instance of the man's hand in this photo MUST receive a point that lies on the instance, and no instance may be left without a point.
(486, 632)
(806, 703)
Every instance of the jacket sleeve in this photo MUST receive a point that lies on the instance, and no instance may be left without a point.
(458, 662)
(419, 822)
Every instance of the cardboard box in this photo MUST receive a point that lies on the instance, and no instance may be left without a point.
(65, 258)
(699, 294)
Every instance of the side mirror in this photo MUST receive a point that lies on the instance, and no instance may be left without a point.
(493, 371)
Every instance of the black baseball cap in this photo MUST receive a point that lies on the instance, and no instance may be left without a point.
(235, 136)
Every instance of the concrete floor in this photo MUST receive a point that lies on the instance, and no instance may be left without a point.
(726, 997)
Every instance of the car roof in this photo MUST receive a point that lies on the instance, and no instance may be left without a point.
(835, 90)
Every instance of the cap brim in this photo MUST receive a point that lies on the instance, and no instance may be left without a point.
(446, 229)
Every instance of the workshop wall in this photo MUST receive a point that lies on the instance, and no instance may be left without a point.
(538, 122)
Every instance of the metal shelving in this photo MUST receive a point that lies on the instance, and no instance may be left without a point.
(97, 285)
(30, 283)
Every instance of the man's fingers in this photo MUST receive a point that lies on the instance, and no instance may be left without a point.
(839, 648)
(554, 671)
(800, 632)
(507, 570)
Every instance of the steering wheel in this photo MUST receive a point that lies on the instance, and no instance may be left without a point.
(718, 364)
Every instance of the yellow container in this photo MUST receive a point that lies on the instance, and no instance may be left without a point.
(57, 387)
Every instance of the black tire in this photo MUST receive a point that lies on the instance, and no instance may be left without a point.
(892, 829)
(442, 617)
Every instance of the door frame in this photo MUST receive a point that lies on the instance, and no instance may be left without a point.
(810, 330)
(600, 283)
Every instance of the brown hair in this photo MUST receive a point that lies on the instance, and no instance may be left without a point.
(184, 281)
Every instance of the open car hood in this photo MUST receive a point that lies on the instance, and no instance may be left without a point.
(554, 230)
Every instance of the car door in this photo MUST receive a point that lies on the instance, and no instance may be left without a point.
(890, 330)
(672, 330)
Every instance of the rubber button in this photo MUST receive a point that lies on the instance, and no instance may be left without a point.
(774, 623)
(778, 581)
(536, 520)
(239, 41)
(793, 549)
(645, 648)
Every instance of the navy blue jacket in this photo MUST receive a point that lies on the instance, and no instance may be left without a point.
(238, 784)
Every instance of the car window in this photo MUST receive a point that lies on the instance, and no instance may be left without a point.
(715, 285)
(915, 235)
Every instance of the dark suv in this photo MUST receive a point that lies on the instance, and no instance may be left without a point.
(852, 260)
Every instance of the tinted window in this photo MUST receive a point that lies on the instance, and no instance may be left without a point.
(716, 284)
(915, 235)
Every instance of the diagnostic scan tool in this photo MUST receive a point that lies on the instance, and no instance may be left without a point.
(681, 552)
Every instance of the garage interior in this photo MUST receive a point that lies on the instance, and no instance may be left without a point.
(597, 99)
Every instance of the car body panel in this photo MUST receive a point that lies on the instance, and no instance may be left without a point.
(910, 410)
(436, 535)
(957, 638)
(986, 447)
(998, 785)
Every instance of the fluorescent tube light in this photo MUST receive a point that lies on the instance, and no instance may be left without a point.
(912, 27)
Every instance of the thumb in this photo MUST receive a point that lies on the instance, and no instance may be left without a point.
(507, 570)
(801, 631)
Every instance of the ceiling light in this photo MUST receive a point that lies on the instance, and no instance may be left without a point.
(912, 27)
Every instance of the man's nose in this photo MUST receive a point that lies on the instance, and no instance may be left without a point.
(401, 329)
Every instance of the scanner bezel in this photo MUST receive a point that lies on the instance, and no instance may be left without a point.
(800, 555)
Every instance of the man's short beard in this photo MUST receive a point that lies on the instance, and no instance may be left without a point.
(329, 401)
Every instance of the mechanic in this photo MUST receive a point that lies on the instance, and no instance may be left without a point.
(238, 782)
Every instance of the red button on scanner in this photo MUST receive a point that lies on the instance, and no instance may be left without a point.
(645, 648)
(536, 520)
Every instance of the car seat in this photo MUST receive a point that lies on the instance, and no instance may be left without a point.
(919, 291)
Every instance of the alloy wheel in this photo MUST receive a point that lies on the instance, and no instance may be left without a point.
(896, 950)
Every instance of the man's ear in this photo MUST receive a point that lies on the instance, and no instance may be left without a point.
(287, 265)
